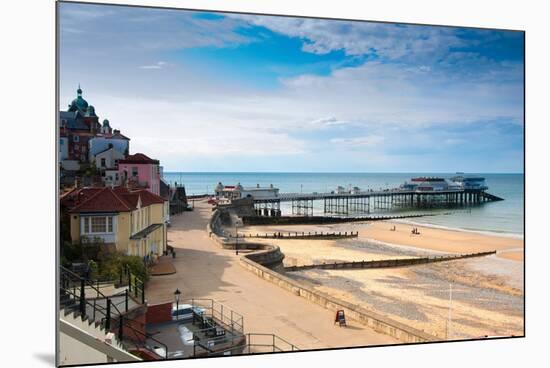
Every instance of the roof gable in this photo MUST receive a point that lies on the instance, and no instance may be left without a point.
(139, 158)
(104, 200)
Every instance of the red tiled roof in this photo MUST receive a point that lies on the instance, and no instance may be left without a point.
(105, 200)
(138, 158)
(148, 198)
(78, 195)
(117, 199)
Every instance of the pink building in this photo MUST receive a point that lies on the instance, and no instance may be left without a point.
(140, 171)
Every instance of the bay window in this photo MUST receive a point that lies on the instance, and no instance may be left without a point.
(97, 224)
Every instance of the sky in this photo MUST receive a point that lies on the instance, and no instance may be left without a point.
(209, 92)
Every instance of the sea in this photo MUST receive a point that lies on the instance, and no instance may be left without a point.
(504, 218)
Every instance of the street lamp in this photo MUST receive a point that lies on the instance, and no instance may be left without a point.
(236, 240)
(177, 294)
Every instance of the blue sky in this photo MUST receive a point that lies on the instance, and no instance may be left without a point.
(229, 92)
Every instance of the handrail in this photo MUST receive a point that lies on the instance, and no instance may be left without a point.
(106, 321)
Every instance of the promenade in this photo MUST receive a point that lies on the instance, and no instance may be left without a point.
(206, 271)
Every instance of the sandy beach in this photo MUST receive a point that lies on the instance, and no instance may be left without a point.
(487, 291)
(430, 239)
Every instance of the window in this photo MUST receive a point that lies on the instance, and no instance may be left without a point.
(99, 224)
(103, 162)
(134, 171)
(61, 141)
(76, 138)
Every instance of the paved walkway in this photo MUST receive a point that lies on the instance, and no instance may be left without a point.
(206, 271)
(163, 267)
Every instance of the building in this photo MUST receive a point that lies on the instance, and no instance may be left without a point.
(470, 182)
(78, 124)
(130, 221)
(140, 171)
(430, 184)
(107, 139)
(107, 163)
(79, 129)
(238, 191)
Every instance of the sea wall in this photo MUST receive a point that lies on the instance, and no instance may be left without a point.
(267, 255)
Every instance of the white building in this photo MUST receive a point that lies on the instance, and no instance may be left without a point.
(238, 191)
(258, 192)
(103, 141)
(108, 159)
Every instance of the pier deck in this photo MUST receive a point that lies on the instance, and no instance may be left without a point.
(367, 201)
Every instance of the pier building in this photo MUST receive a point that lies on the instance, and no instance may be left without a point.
(238, 191)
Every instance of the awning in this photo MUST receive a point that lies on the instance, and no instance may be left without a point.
(143, 233)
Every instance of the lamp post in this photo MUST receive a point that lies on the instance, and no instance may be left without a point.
(448, 324)
(177, 294)
(236, 240)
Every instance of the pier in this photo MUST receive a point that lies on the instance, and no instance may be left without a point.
(368, 201)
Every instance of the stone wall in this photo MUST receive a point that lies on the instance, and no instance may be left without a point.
(267, 255)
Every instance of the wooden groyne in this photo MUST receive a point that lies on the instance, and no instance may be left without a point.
(386, 263)
(304, 235)
(318, 220)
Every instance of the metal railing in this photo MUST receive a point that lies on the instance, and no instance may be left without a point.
(224, 316)
(136, 286)
(106, 313)
(253, 344)
(263, 342)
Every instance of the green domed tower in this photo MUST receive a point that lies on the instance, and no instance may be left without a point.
(79, 103)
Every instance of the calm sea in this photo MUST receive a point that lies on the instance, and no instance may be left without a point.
(504, 217)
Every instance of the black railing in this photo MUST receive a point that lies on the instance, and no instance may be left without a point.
(253, 343)
(136, 286)
(102, 310)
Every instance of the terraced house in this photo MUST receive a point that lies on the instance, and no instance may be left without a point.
(129, 221)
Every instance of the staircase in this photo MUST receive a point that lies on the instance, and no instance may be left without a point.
(92, 318)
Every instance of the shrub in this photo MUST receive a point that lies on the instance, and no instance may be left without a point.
(112, 265)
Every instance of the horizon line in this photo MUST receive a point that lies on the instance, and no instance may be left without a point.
(341, 172)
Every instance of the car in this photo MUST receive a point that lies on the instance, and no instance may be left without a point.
(185, 312)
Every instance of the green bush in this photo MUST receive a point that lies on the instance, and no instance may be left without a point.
(112, 265)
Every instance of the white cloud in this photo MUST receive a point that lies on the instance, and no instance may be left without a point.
(157, 65)
(368, 141)
(359, 38)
